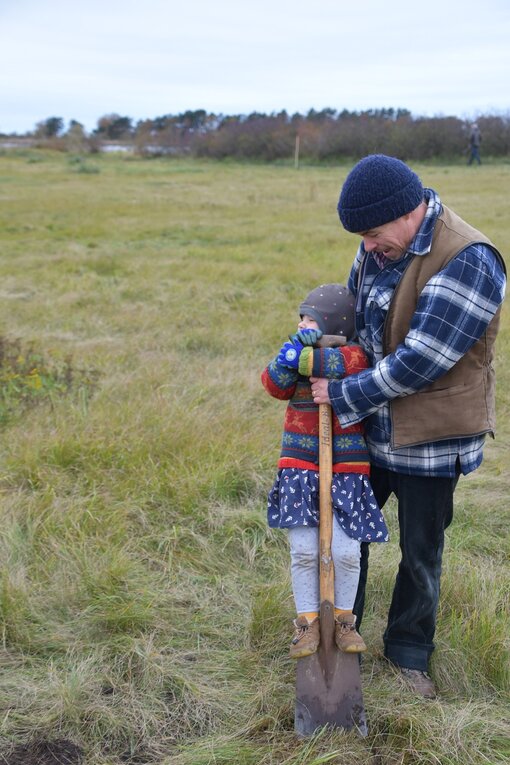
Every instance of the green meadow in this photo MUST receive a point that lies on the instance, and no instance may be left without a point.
(145, 607)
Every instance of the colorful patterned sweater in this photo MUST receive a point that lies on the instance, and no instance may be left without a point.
(300, 443)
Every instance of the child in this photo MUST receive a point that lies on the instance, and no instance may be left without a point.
(293, 502)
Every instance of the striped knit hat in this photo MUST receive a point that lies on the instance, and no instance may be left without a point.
(332, 307)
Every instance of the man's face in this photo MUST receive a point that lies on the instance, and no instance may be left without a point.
(391, 239)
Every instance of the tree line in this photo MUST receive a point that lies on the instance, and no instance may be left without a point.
(322, 135)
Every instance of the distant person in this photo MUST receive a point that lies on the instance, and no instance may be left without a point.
(293, 502)
(475, 139)
(428, 290)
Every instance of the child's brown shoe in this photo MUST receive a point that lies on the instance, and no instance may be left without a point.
(306, 637)
(347, 638)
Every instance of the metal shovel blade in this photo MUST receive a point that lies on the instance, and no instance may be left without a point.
(328, 685)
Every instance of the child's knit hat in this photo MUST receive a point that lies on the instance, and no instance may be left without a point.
(332, 307)
(379, 189)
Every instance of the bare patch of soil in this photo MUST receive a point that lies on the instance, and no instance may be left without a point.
(61, 752)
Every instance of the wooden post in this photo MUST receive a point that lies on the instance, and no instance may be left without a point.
(296, 153)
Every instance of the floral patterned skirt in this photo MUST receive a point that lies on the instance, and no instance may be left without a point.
(294, 501)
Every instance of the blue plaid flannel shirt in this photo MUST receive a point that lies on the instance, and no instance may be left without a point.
(453, 312)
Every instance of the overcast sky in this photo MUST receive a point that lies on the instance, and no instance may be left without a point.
(81, 59)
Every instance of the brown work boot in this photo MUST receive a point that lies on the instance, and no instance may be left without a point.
(419, 681)
(306, 638)
(347, 638)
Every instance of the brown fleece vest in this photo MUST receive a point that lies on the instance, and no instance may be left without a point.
(461, 403)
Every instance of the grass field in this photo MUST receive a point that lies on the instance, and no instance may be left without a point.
(145, 606)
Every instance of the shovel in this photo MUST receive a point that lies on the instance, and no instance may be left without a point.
(328, 683)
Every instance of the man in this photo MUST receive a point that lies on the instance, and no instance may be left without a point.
(428, 291)
(475, 140)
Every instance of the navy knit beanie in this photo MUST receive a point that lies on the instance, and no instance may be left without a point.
(332, 307)
(379, 189)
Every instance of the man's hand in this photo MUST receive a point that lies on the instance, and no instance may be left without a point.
(320, 390)
(289, 355)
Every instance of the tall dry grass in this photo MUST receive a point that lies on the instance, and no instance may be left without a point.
(145, 606)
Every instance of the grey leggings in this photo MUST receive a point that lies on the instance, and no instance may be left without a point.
(304, 567)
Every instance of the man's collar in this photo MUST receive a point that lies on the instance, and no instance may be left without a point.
(422, 242)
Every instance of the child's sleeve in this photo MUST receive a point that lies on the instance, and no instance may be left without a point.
(333, 363)
(279, 381)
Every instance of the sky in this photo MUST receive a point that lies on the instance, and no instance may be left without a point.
(82, 59)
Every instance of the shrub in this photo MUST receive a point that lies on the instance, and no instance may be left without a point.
(28, 378)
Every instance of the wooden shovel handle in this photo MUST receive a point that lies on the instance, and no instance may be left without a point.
(327, 575)
(331, 341)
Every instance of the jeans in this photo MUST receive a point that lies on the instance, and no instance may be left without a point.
(474, 156)
(425, 509)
